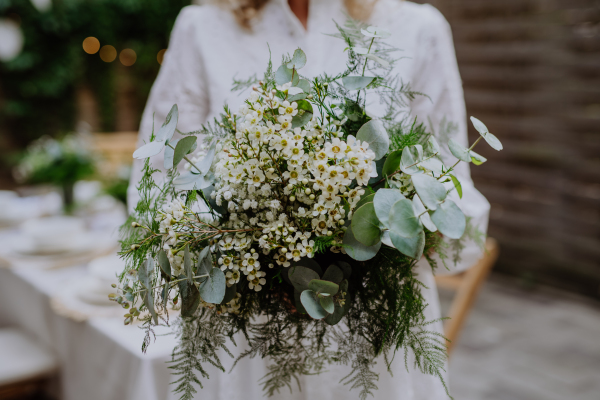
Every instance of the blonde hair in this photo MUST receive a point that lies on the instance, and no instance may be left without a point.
(246, 10)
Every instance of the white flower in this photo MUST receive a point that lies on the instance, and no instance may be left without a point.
(250, 261)
(232, 277)
(288, 109)
(256, 281)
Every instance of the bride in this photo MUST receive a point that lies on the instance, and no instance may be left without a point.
(211, 44)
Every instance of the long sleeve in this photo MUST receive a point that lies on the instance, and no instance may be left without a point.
(181, 81)
(443, 112)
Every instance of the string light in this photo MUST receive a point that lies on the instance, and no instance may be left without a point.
(160, 56)
(91, 45)
(108, 53)
(127, 57)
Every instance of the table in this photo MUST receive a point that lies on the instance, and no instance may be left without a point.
(100, 359)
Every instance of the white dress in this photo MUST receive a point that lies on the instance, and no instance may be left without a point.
(208, 49)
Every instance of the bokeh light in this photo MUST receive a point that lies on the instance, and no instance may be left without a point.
(160, 56)
(108, 53)
(127, 57)
(91, 45)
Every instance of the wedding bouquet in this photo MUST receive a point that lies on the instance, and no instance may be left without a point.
(296, 222)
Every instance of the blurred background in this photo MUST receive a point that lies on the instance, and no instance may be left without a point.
(531, 71)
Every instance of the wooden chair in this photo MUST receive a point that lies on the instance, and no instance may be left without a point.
(467, 285)
(114, 149)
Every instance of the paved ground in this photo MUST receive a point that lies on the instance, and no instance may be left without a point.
(538, 344)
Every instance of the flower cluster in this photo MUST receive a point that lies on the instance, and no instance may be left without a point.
(284, 185)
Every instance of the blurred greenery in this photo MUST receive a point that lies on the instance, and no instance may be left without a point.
(38, 86)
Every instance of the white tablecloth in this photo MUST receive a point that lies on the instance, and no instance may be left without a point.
(100, 359)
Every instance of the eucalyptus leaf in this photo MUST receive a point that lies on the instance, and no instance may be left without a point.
(340, 311)
(301, 277)
(356, 249)
(374, 133)
(284, 75)
(183, 148)
(365, 225)
(357, 82)
(298, 59)
(294, 91)
(412, 247)
(204, 165)
(345, 267)
(311, 303)
(327, 304)
(360, 50)
(377, 32)
(333, 274)
(213, 289)
(432, 147)
(411, 156)
(187, 264)
(366, 198)
(204, 262)
(449, 219)
(296, 97)
(476, 158)
(402, 219)
(165, 265)
(378, 60)
(169, 154)
(230, 292)
(301, 120)
(457, 185)
(308, 263)
(491, 139)
(383, 201)
(378, 168)
(433, 164)
(145, 275)
(392, 163)
(429, 189)
(167, 130)
(304, 84)
(424, 217)
(385, 238)
(191, 181)
(149, 150)
(459, 151)
(320, 286)
(190, 297)
(299, 307)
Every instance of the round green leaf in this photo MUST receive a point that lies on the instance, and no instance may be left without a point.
(311, 303)
(164, 263)
(430, 190)
(411, 155)
(284, 75)
(148, 150)
(333, 274)
(402, 219)
(457, 185)
(345, 267)
(340, 311)
(301, 277)
(300, 120)
(356, 82)
(304, 84)
(327, 304)
(476, 158)
(412, 247)
(191, 181)
(182, 148)
(167, 130)
(230, 292)
(449, 219)
(356, 249)
(320, 286)
(190, 297)
(491, 139)
(365, 225)
(213, 289)
(298, 59)
(383, 201)
(169, 154)
(378, 60)
(392, 163)
(459, 151)
(367, 198)
(374, 133)
(425, 218)
(204, 165)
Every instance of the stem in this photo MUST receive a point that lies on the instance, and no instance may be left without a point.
(186, 159)
(366, 59)
(456, 163)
